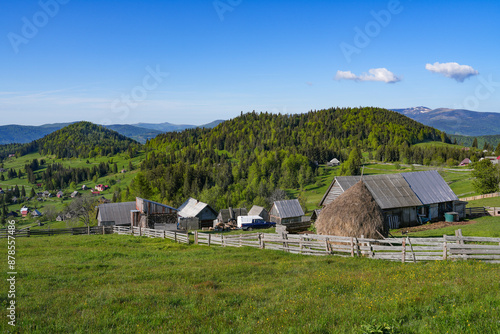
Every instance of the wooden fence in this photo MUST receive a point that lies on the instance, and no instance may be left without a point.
(181, 237)
(478, 211)
(27, 232)
(474, 198)
(394, 249)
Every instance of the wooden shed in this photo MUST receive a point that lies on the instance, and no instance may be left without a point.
(259, 211)
(194, 208)
(114, 214)
(227, 215)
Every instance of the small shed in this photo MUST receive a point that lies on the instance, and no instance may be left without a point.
(227, 215)
(333, 162)
(60, 194)
(155, 215)
(84, 187)
(36, 213)
(194, 208)
(287, 211)
(75, 194)
(259, 211)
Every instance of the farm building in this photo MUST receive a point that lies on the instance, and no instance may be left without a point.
(60, 194)
(75, 194)
(259, 211)
(149, 214)
(227, 215)
(465, 162)
(406, 199)
(193, 208)
(354, 213)
(333, 162)
(287, 211)
(114, 214)
(315, 214)
(36, 213)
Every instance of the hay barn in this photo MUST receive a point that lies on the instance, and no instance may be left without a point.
(406, 199)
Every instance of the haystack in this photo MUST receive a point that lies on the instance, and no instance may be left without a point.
(352, 214)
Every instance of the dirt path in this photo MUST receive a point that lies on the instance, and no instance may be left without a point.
(433, 226)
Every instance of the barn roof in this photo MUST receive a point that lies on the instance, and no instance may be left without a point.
(401, 190)
(150, 207)
(116, 212)
(225, 214)
(192, 207)
(430, 187)
(256, 210)
(288, 208)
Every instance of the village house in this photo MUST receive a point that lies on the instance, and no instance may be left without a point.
(101, 187)
(406, 199)
(227, 215)
(36, 213)
(24, 211)
(196, 212)
(259, 211)
(75, 194)
(59, 194)
(333, 162)
(465, 162)
(84, 187)
(115, 214)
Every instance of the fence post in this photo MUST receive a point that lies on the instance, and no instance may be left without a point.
(327, 246)
(103, 231)
(352, 247)
(140, 231)
(88, 229)
(175, 236)
(28, 232)
(403, 257)
(458, 234)
(209, 238)
(195, 237)
(300, 245)
(222, 240)
(445, 248)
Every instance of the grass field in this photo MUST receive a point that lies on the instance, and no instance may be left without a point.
(124, 284)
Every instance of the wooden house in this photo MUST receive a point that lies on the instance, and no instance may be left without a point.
(259, 211)
(60, 194)
(75, 194)
(24, 211)
(149, 214)
(36, 213)
(193, 208)
(406, 199)
(227, 215)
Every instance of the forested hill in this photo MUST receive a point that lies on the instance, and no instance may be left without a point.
(81, 140)
(244, 160)
(319, 135)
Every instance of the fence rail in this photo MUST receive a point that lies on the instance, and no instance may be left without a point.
(474, 198)
(27, 232)
(180, 237)
(394, 249)
(476, 211)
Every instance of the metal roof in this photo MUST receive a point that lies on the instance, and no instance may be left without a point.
(389, 191)
(430, 187)
(116, 212)
(191, 208)
(289, 208)
(150, 207)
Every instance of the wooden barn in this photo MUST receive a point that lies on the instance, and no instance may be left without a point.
(193, 208)
(115, 214)
(289, 216)
(406, 199)
(149, 214)
(227, 215)
(259, 211)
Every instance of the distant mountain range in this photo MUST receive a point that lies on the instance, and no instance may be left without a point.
(456, 121)
(140, 132)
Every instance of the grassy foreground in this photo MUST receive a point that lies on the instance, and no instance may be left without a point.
(123, 284)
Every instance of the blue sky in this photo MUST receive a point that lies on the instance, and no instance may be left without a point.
(192, 62)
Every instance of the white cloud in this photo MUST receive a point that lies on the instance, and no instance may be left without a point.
(374, 74)
(452, 70)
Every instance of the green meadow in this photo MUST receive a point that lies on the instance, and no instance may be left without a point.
(124, 284)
